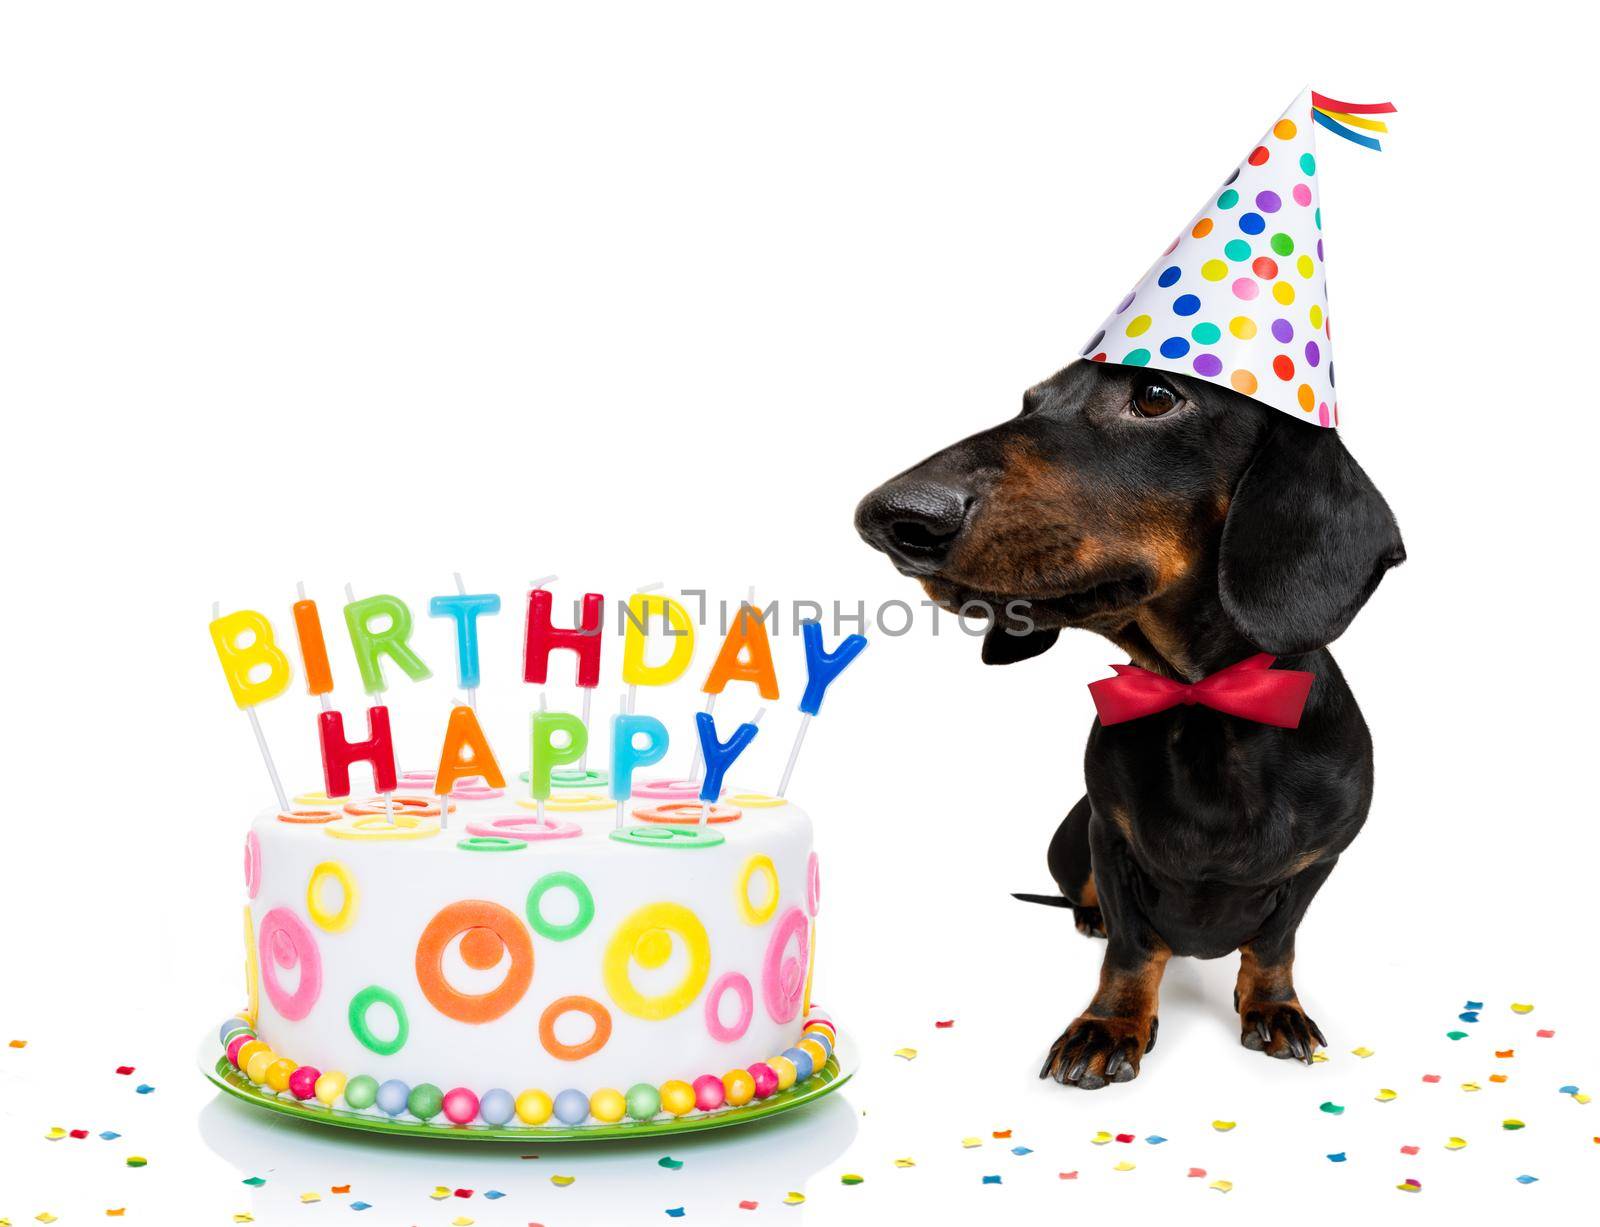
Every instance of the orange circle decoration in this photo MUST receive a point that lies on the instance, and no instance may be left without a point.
(686, 813)
(574, 1005)
(309, 817)
(480, 924)
(417, 807)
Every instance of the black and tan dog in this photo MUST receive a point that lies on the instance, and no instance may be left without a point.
(1194, 528)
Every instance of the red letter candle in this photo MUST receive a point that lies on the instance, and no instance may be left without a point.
(337, 753)
(542, 638)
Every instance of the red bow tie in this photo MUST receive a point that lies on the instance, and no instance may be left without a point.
(1251, 690)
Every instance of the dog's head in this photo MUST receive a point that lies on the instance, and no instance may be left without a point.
(1119, 496)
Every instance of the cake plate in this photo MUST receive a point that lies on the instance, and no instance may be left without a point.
(220, 1072)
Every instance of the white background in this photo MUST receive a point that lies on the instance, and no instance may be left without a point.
(631, 293)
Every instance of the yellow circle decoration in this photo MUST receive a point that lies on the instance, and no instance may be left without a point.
(331, 922)
(624, 942)
(756, 800)
(377, 826)
(758, 914)
(653, 949)
(571, 803)
(252, 972)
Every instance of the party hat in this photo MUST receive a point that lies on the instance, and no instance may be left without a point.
(1240, 298)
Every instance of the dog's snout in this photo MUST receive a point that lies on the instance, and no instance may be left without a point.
(914, 520)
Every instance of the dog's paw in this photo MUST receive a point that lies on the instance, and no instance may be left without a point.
(1089, 921)
(1280, 1029)
(1095, 1051)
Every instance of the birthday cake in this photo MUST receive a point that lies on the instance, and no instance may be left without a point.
(579, 947)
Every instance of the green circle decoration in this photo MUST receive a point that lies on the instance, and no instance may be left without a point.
(490, 843)
(362, 1002)
(560, 880)
(690, 837)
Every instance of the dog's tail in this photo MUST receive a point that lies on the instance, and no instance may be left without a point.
(1047, 900)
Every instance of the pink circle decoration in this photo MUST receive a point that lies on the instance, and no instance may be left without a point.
(524, 826)
(460, 1106)
(252, 864)
(668, 790)
(1245, 289)
(285, 941)
(720, 1031)
(783, 980)
(813, 885)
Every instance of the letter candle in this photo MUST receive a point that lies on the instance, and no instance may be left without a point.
(547, 755)
(464, 609)
(626, 757)
(822, 668)
(720, 754)
(744, 656)
(239, 661)
(370, 647)
(313, 648)
(636, 669)
(584, 640)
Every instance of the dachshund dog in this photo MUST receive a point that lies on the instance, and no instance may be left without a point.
(1194, 528)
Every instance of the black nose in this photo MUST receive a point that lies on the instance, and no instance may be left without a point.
(914, 520)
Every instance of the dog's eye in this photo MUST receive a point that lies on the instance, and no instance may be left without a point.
(1153, 400)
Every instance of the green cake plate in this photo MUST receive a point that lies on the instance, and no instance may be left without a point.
(214, 1064)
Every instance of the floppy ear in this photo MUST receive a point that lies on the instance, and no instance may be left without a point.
(1306, 541)
(1006, 647)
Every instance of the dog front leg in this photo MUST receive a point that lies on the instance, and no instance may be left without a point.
(1271, 1017)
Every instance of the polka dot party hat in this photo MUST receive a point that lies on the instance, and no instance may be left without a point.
(1240, 298)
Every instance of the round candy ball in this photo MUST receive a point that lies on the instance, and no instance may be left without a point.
(644, 1101)
(392, 1096)
(765, 1079)
(821, 1037)
(814, 1050)
(572, 1107)
(425, 1101)
(248, 1050)
(238, 1042)
(677, 1097)
(229, 1026)
(534, 1107)
(786, 1071)
(802, 1062)
(279, 1073)
(255, 1068)
(460, 1106)
(329, 1087)
(303, 1082)
(709, 1092)
(738, 1087)
(608, 1105)
(496, 1107)
(361, 1091)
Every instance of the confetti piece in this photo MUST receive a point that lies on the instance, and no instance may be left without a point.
(668, 1162)
(1410, 1150)
(56, 1133)
(109, 1135)
(1456, 1144)
(1222, 1126)
(439, 1192)
(945, 1024)
(1384, 1095)
(1580, 1097)
(361, 1205)
(675, 1212)
(1198, 1173)
(1336, 1157)
(79, 1134)
(1155, 1139)
(463, 1192)
(1473, 1005)
(969, 1143)
(1498, 1078)
(991, 1180)
(19, 1043)
(144, 1088)
(1455, 1035)
(124, 1069)
(137, 1161)
(1123, 1166)
(1332, 1109)
(1470, 1087)
(1505, 1053)
(1021, 1150)
(1511, 1123)
(45, 1217)
(1002, 1133)
(792, 1198)
(748, 1205)
(1468, 1016)
(1073, 1175)
(1527, 1179)
(1409, 1186)
(1430, 1077)
(562, 1182)
(117, 1213)
(906, 1054)
(493, 1194)
(1545, 1033)
(1362, 1052)
(461, 1220)
(1124, 1137)
(307, 1199)
(255, 1182)
(1221, 1186)
(339, 1188)
(851, 1178)
(1101, 1138)
(1569, 1089)
(244, 1218)
(1318, 1057)
(905, 1162)
(1518, 1007)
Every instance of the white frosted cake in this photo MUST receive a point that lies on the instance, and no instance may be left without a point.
(497, 968)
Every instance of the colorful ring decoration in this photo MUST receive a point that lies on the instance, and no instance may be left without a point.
(468, 790)
(252, 972)
(284, 941)
(687, 813)
(813, 885)
(490, 843)
(252, 864)
(497, 925)
(416, 781)
(574, 777)
(783, 980)
(575, 803)
(729, 980)
(754, 915)
(668, 837)
(316, 800)
(420, 807)
(331, 922)
(756, 800)
(574, 1005)
(560, 880)
(524, 826)
(674, 918)
(667, 789)
(376, 826)
(310, 817)
(364, 1001)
